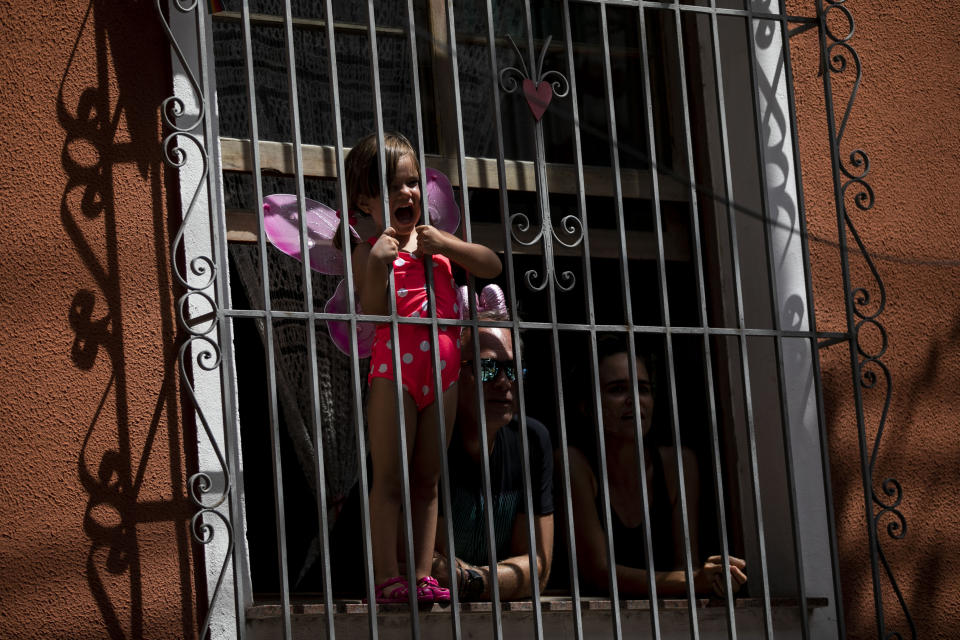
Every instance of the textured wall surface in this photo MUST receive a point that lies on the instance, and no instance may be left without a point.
(94, 539)
(906, 118)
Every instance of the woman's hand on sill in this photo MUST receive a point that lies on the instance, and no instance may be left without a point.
(708, 579)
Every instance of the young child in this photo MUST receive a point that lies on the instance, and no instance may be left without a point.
(404, 247)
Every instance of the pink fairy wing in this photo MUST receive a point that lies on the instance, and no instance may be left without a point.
(281, 221)
(340, 329)
(282, 225)
(442, 206)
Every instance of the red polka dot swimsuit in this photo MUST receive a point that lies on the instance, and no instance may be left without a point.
(416, 369)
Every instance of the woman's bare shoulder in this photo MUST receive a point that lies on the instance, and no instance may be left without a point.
(580, 469)
(668, 454)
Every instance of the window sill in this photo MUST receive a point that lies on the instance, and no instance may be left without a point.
(309, 607)
(517, 619)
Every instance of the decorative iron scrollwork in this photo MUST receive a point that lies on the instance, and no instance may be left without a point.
(522, 223)
(181, 145)
(573, 227)
(539, 90)
(864, 308)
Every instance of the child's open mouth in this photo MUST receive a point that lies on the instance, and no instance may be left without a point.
(404, 215)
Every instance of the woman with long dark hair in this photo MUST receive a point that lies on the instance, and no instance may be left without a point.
(623, 480)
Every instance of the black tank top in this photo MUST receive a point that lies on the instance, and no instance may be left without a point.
(628, 542)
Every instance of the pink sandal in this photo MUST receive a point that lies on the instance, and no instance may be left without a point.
(399, 595)
(429, 590)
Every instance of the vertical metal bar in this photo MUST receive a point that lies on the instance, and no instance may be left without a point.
(253, 123)
(434, 347)
(494, 586)
(346, 242)
(227, 390)
(762, 137)
(814, 350)
(232, 489)
(547, 235)
(225, 330)
(839, 195)
(628, 311)
(310, 326)
(394, 332)
(714, 435)
(701, 292)
(268, 341)
(591, 319)
(748, 408)
(658, 231)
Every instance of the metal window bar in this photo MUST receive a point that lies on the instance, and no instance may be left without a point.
(279, 516)
(812, 327)
(345, 240)
(402, 447)
(836, 54)
(741, 333)
(625, 294)
(224, 328)
(763, 132)
(311, 324)
(701, 293)
(661, 269)
(544, 206)
(714, 435)
(199, 349)
(496, 615)
(591, 320)
(748, 404)
(444, 488)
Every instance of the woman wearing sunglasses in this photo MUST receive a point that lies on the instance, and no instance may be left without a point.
(498, 372)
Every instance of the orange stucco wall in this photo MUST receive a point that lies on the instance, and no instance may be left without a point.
(906, 118)
(94, 539)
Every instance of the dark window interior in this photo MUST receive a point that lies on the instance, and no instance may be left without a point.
(541, 396)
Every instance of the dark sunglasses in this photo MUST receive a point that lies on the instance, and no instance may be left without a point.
(490, 368)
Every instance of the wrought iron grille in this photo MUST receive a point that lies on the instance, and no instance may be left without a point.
(527, 107)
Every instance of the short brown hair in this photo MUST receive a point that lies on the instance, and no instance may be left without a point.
(361, 168)
(362, 173)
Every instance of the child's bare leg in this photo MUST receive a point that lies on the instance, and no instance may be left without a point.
(385, 493)
(425, 478)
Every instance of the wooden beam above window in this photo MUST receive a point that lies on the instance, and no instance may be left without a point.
(320, 161)
(604, 243)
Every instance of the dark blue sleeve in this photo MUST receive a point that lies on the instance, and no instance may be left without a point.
(541, 467)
